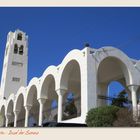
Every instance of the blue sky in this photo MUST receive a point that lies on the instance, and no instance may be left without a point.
(53, 32)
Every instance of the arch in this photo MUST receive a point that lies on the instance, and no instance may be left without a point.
(125, 62)
(47, 91)
(19, 36)
(10, 99)
(66, 73)
(3, 103)
(31, 94)
(15, 49)
(115, 71)
(10, 106)
(19, 106)
(31, 99)
(20, 92)
(32, 88)
(2, 112)
(79, 56)
(9, 110)
(21, 49)
(71, 80)
(75, 55)
(19, 102)
(48, 83)
(49, 75)
(112, 68)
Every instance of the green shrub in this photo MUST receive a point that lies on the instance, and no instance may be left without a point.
(102, 116)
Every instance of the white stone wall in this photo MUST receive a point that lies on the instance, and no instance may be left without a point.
(9, 70)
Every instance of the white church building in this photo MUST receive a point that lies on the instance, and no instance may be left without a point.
(86, 73)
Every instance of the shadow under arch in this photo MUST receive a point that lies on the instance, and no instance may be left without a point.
(9, 111)
(138, 101)
(33, 102)
(2, 113)
(48, 92)
(71, 80)
(20, 107)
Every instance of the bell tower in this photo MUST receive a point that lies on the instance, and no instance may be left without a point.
(14, 73)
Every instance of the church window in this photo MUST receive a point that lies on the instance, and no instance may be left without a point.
(16, 49)
(21, 50)
(15, 79)
(19, 36)
(17, 63)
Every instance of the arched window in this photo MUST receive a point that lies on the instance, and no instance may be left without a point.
(19, 36)
(15, 48)
(21, 50)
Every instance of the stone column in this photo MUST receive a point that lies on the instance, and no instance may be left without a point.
(16, 113)
(41, 103)
(133, 89)
(138, 109)
(60, 93)
(27, 110)
(8, 115)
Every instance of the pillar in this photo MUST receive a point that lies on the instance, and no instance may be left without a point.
(16, 113)
(133, 89)
(41, 103)
(8, 115)
(138, 109)
(27, 110)
(60, 93)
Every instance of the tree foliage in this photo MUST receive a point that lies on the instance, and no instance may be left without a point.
(121, 99)
(102, 116)
(70, 110)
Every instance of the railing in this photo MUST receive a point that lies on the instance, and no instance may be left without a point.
(50, 113)
(110, 98)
